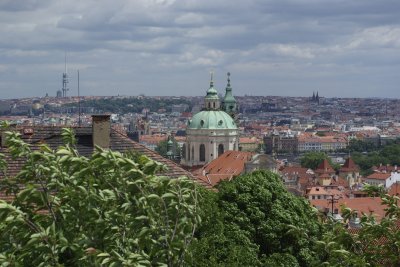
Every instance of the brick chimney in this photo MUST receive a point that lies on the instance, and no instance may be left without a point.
(101, 130)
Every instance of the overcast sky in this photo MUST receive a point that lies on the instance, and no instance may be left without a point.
(343, 48)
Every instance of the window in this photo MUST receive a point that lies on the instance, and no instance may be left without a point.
(202, 152)
(220, 149)
(188, 153)
(192, 152)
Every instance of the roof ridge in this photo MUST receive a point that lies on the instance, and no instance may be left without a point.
(188, 174)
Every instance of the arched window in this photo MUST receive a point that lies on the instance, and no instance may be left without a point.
(213, 104)
(209, 105)
(220, 149)
(188, 158)
(192, 152)
(202, 152)
(184, 151)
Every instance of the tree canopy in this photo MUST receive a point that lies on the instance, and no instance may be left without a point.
(254, 221)
(388, 154)
(131, 104)
(311, 160)
(110, 209)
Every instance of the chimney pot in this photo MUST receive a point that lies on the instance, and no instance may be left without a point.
(101, 130)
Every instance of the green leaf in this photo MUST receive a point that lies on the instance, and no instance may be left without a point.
(103, 254)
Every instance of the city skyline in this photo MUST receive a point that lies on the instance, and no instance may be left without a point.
(167, 47)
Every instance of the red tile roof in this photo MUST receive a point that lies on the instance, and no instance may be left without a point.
(379, 176)
(366, 205)
(394, 190)
(324, 167)
(385, 168)
(349, 166)
(225, 167)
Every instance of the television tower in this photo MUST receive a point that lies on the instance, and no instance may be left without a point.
(65, 78)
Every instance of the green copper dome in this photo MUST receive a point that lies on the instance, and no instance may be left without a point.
(213, 119)
(212, 94)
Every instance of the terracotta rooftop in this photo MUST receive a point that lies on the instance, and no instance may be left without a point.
(320, 190)
(385, 168)
(366, 205)
(340, 181)
(225, 167)
(379, 176)
(349, 166)
(394, 190)
(324, 167)
(295, 170)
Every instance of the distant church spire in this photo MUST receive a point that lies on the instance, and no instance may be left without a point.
(211, 100)
(229, 104)
(170, 153)
(211, 80)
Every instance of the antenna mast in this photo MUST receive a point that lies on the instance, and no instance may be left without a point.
(65, 78)
(79, 104)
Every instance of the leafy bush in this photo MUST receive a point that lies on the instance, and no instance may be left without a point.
(110, 209)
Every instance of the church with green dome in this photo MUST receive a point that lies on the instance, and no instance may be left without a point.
(213, 130)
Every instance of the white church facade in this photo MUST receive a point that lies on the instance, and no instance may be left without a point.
(211, 131)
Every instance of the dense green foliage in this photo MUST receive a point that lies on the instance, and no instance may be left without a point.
(388, 154)
(356, 145)
(107, 210)
(311, 160)
(131, 104)
(113, 210)
(254, 221)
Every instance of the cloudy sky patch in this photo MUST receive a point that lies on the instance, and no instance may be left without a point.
(340, 48)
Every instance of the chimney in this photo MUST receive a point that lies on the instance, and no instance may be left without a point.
(101, 130)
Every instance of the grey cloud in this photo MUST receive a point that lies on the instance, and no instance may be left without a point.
(284, 46)
(22, 5)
